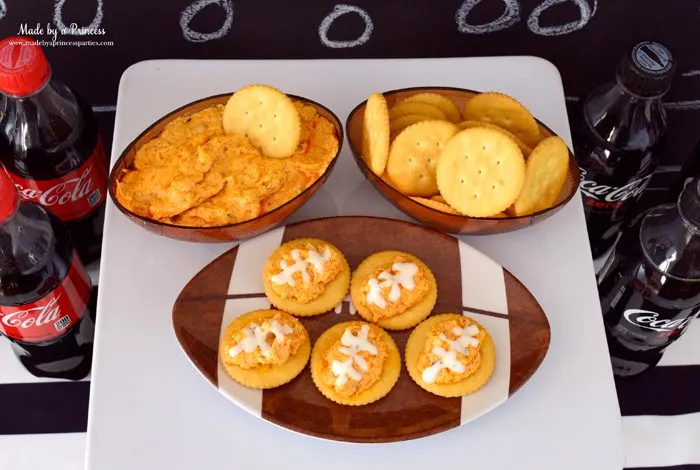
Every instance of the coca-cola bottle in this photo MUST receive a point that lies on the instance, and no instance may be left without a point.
(44, 290)
(690, 170)
(619, 140)
(49, 144)
(650, 285)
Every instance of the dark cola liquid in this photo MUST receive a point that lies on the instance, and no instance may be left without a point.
(690, 170)
(619, 139)
(649, 290)
(66, 357)
(23, 281)
(64, 133)
(617, 144)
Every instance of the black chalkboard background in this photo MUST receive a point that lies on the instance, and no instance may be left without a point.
(586, 52)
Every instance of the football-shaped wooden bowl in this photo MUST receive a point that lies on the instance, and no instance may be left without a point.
(468, 282)
(223, 233)
(443, 221)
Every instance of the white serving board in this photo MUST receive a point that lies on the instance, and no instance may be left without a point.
(150, 409)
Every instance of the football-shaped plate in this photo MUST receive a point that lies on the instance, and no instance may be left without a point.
(468, 282)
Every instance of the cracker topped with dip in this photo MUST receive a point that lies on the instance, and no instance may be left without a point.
(393, 289)
(306, 277)
(230, 163)
(450, 355)
(264, 348)
(355, 363)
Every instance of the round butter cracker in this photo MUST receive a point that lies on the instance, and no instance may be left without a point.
(505, 112)
(376, 133)
(267, 375)
(391, 369)
(523, 147)
(545, 175)
(333, 294)
(480, 172)
(400, 123)
(415, 107)
(267, 117)
(445, 104)
(416, 344)
(414, 156)
(436, 204)
(409, 318)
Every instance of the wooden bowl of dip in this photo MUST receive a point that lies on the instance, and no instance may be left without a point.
(223, 233)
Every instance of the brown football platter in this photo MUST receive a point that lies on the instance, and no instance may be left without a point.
(468, 282)
(224, 233)
(451, 223)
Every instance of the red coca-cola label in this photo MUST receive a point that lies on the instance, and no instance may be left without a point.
(600, 196)
(53, 314)
(73, 195)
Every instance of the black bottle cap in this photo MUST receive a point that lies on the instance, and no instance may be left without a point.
(647, 70)
(689, 203)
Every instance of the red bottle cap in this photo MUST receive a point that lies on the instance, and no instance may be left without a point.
(9, 197)
(23, 66)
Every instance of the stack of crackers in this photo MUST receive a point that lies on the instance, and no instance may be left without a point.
(486, 160)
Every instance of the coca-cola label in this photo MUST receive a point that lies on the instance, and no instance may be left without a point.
(53, 314)
(649, 320)
(73, 195)
(600, 196)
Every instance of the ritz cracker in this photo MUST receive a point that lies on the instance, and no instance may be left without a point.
(58, 159)
(487, 161)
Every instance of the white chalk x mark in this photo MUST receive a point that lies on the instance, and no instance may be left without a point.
(192, 10)
(337, 12)
(508, 18)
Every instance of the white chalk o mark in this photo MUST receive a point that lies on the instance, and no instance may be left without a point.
(73, 28)
(533, 22)
(337, 12)
(510, 16)
(191, 11)
(3, 9)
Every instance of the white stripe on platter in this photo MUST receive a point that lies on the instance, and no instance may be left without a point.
(248, 398)
(483, 284)
(495, 391)
(250, 260)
